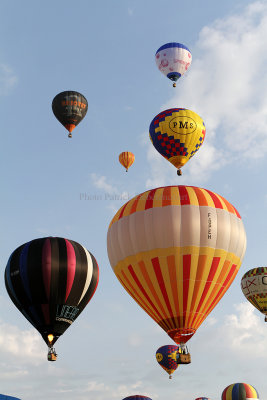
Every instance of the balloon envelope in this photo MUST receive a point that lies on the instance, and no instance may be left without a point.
(51, 280)
(239, 391)
(166, 357)
(69, 108)
(176, 250)
(173, 59)
(126, 159)
(202, 398)
(137, 397)
(177, 134)
(254, 288)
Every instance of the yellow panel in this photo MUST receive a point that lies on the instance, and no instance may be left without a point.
(157, 200)
(175, 196)
(192, 196)
(142, 201)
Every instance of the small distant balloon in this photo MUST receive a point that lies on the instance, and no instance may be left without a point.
(202, 398)
(126, 159)
(240, 391)
(69, 108)
(254, 288)
(173, 59)
(137, 397)
(166, 357)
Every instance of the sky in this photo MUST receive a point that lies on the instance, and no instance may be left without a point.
(54, 186)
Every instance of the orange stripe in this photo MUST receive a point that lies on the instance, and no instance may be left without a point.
(166, 198)
(173, 280)
(133, 209)
(136, 296)
(200, 271)
(202, 201)
(151, 287)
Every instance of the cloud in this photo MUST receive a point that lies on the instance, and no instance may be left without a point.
(8, 79)
(101, 183)
(241, 333)
(225, 87)
(130, 11)
(244, 328)
(135, 340)
(112, 194)
(21, 343)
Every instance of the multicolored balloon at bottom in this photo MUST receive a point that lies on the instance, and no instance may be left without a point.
(137, 397)
(202, 398)
(240, 391)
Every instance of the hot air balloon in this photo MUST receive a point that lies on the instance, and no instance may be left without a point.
(239, 391)
(137, 397)
(173, 59)
(177, 134)
(203, 398)
(69, 108)
(126, 159)
(166, 357)
(254, 288)
(51, 280)
(176, 250)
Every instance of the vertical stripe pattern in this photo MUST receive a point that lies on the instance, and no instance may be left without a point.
(126, 159)
(239, 391)
(51, 280)
(176, 250)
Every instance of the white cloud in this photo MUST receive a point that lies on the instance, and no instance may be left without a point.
(245, 330)
(135, 340)
(21, 343)
(101, 183)
(226, 88)
(7, 79)
(112, 194)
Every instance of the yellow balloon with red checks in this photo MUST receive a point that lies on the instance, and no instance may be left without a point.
(177, 134)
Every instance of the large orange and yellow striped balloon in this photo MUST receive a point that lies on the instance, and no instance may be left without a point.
(176, 250)
(126, 159)
(240, 391)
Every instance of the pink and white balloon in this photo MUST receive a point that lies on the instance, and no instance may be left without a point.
(173, 59)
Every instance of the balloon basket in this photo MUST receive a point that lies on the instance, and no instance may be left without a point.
(52, 355)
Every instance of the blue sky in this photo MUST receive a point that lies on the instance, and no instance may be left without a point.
(105, 50)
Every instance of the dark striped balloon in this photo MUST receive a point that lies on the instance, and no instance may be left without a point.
(51, 280)
(239, 391)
